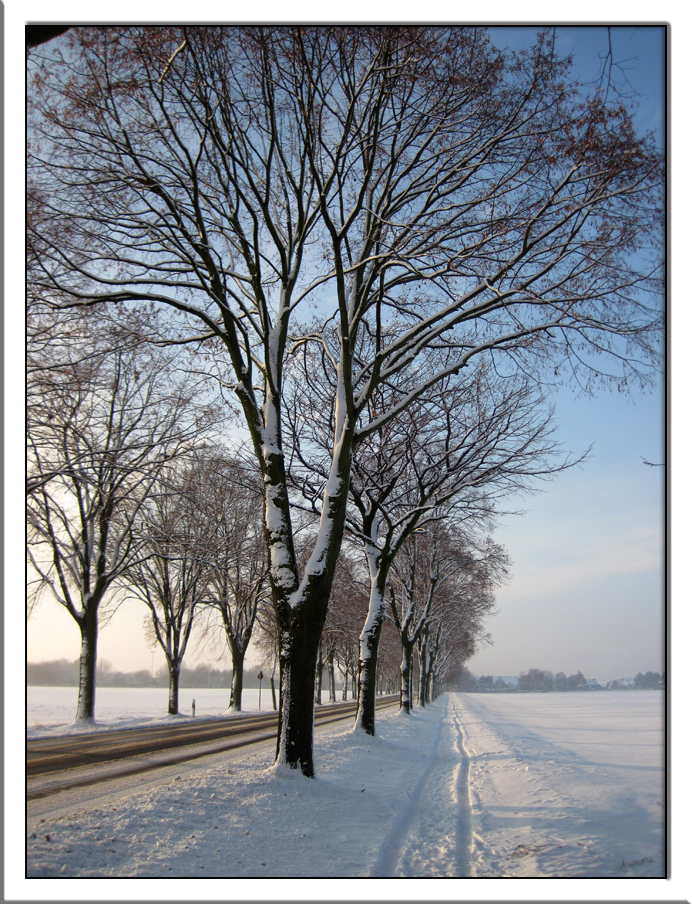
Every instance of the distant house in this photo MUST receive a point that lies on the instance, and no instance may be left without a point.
(592, 685)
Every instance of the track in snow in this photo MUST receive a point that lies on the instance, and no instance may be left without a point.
(432, 836)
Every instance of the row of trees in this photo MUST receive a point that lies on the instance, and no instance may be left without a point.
(65, 673)
(649, 680)
(537, 680)
(127, 499)
(382, 241)
(184, 536)
(531, 681)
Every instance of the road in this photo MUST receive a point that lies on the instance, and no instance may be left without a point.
(75, 762)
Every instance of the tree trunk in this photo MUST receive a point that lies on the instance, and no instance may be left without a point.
(367, 680)
(430, 682)
(423, 675)
(173, 687)
(237, 663)
(406, 677)
(411, 679)
(88, 626)
(301, 605)
(318, 676)
(369, 644)
(296, 714)
(332, 680)
(271, 680)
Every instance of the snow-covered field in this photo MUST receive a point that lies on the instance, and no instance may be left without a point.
(516, 786)
(51, 710)
(567, 784)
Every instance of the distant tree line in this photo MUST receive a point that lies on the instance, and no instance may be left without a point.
(65, 673)
(539, 681)
(649, 680)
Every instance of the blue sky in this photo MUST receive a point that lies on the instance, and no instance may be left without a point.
(587, 587)
(588, 554)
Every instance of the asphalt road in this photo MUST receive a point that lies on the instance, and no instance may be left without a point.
(58, 764)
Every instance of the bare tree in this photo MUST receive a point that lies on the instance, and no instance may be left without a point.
(97, 443)
(347, 607)
(474, 439)
(440, 575)
(347, 603)
(412, 178)
(266, 641)
(461, 605)
(171, 573)
(231, 507)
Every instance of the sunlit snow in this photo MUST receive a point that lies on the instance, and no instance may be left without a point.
(487, 786)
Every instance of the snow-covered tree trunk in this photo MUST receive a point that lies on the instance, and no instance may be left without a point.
(369, 643)
(433, 649)
(423, 665)
(298, 663)
(300, 633)
(405, 694)
(301, 606)
(88, 626)
(434, 687)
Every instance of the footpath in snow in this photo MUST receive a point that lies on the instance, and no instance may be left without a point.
(554, 785)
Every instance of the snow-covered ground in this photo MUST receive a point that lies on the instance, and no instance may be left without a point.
(51, 710)
(567, 784)
(516, 786)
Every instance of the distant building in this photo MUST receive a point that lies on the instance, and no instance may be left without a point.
(621, 684)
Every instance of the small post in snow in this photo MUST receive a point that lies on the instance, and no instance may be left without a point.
(260, 676)
(193, 709)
